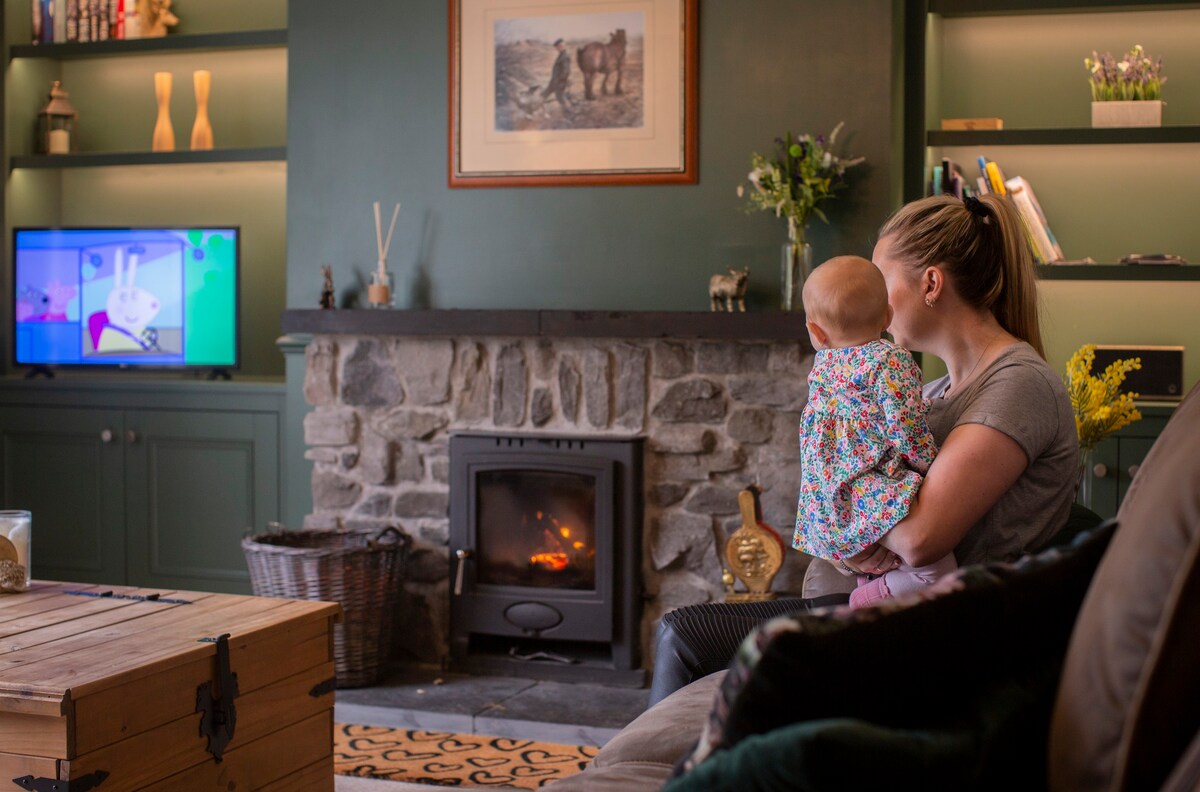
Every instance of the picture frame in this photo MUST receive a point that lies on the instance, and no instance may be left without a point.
(572, 92)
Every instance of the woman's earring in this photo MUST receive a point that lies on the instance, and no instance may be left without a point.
(928, 303)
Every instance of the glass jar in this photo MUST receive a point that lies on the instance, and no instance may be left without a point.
(15, 569)
(380, 291)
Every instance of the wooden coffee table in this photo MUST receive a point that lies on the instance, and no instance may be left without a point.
(118, 688)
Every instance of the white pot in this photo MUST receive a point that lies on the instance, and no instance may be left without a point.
(1147, 113)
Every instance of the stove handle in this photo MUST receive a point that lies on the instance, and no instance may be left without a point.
(462, 554)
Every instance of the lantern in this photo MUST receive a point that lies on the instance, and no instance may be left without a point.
(56, 123)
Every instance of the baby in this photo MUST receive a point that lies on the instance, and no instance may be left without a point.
(864, 443)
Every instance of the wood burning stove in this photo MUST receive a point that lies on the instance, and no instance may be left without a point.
(545, 534)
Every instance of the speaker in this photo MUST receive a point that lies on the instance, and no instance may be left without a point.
(1161, 374)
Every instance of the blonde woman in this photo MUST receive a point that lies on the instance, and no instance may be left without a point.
(962, 286)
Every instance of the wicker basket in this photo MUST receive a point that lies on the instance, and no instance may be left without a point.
(360, 571)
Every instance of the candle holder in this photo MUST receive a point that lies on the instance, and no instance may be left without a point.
(381, 292)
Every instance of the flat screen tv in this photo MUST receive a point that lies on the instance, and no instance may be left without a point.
(129, 297)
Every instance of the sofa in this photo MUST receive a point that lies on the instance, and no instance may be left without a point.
(1073, 669)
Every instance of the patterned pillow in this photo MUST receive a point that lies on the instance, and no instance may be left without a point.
(916, 662)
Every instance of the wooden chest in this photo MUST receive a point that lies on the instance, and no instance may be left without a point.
(119, 688)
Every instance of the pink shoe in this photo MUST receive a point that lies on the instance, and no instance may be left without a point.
(869, 593)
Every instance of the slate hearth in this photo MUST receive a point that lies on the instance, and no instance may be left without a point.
(717, 398)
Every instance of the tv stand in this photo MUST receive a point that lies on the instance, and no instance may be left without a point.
(39, 369)
(219, 374)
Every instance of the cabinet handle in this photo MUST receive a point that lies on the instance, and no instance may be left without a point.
(1100, 470)
(131, 436)
(1133, 469)
(106, 435)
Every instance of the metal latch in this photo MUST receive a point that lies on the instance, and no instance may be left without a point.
(81, 784)
(219, 718)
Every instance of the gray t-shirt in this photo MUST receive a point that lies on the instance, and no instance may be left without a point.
(1019, 395)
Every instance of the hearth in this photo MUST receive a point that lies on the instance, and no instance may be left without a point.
(545, 534)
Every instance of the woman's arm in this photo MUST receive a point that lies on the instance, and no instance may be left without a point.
(975, 466)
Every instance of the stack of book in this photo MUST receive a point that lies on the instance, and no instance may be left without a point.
(60, 21)
(949, 178)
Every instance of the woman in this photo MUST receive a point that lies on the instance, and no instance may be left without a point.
(962, 285)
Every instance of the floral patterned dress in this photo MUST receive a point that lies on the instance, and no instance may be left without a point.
(864, 447)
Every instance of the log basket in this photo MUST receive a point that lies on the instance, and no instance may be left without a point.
(361, 571)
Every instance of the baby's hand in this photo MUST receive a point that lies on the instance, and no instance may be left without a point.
(875, 560)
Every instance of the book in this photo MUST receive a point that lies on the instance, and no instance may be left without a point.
(1045, 247)
(972, 123)
(1055, 247)
(995, 177)
(953, 180)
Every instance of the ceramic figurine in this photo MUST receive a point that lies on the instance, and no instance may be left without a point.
(728, 289)
(154, 17)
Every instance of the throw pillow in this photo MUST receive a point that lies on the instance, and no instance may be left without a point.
(929, 661)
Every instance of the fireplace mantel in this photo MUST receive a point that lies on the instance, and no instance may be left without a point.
(765, 326)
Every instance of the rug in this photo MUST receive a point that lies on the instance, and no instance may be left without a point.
(448, 759)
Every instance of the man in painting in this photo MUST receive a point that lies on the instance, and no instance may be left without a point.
(560, 77)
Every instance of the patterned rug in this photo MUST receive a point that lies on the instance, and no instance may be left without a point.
(447, 759)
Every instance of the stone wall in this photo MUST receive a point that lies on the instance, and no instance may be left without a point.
(717, 415)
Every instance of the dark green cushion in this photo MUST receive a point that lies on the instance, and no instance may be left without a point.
(977, 659)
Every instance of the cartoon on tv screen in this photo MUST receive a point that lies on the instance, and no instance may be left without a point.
(141, 297)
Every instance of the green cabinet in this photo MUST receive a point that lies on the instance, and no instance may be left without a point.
(1116, 460)
(142, 485)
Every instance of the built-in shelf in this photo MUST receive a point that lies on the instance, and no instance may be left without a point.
(111, 158)
(1130, 272)
(960, 8)
(249, 39)
(1062, 137)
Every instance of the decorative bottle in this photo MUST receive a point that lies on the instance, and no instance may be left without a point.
(164, 133)
(202, 135)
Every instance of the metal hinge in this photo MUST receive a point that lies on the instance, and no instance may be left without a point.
(81, 784)
(219, 718)
(321, 688)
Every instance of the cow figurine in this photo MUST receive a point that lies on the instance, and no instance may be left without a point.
(729, 288)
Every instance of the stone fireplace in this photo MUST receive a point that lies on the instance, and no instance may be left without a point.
(714, 399)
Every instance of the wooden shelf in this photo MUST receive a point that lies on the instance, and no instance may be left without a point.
(1126, 272)
(249, 39)
(760, 326)
(1063, 137)
(962, 8)
(111, 158)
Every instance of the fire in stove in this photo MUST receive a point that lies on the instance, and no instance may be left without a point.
(558, 549)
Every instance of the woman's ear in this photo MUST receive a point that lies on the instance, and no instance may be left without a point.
(933, 281)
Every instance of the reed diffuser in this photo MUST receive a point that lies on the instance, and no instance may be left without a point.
(380, 290)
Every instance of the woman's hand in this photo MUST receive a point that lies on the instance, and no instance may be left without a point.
(875, 560)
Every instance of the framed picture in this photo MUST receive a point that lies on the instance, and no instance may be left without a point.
(556, 92)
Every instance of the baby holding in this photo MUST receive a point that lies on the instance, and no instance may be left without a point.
(864, 442)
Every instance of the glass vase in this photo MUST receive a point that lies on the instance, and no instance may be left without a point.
(795, 265)
(1086, 479)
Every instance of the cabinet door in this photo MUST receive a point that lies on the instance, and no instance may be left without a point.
(196, 481)
(66, 466)
(1103, 472)
(1132, 452)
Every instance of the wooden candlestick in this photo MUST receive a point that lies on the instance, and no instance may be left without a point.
(164, 133)
(202, 135)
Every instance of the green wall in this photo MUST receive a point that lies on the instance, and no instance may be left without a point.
(368, 121)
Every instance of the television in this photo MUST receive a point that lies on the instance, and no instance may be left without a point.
(128, 297)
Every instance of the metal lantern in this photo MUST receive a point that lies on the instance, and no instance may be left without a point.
(56, 123)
